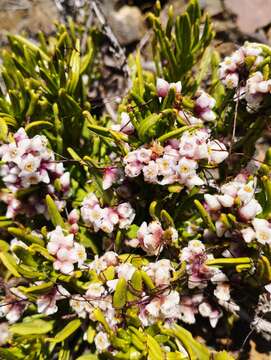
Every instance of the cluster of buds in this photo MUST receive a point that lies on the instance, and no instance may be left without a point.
(106, 218)
(198, 272)
(237, 195)
(28, 162)
(177, 162)
(204, 104)
(240, 71)
(163, 87)
(73, 219)
(66, 251)
(152, 237)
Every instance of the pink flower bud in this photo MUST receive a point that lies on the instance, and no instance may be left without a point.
(162, 87)
(110, 176)
(74, 229)
(73, 216)
(65, 181)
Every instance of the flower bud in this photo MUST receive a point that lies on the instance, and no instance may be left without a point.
(162, 87)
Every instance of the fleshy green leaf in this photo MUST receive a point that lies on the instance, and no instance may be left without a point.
(33, 327)
(67, 331)
(53, 212)
(120, 294)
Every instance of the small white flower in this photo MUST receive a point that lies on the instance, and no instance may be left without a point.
(248, 234)
(126, 270)
(212, 202)
(225, 200)
(144, 155)
(29, 164)
(222, 292)
(150, 172)
(250, 210)
(101, 341)
(218, 152)
(95, 290)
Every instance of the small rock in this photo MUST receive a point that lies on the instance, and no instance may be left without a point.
(251, 14)
(127, 24)
(224, 48)
(32, 16)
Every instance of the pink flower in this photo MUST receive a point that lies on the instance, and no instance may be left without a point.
(111, 175)
(225, 200)
(194, 255)
(152, 238)
(66, 251)
(133, 169)
(160, 272)
(143, 155)
(248, 234)
(13, 305)
(47, 303)
(150, 172)
(126, 215)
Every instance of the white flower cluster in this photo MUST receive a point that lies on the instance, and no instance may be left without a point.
(199, 275)
(98, 294)
(249, 82)
(106, 218)
(238, 194)
(177, 162)
(29, 161)
(152, 238)
(66, 250)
